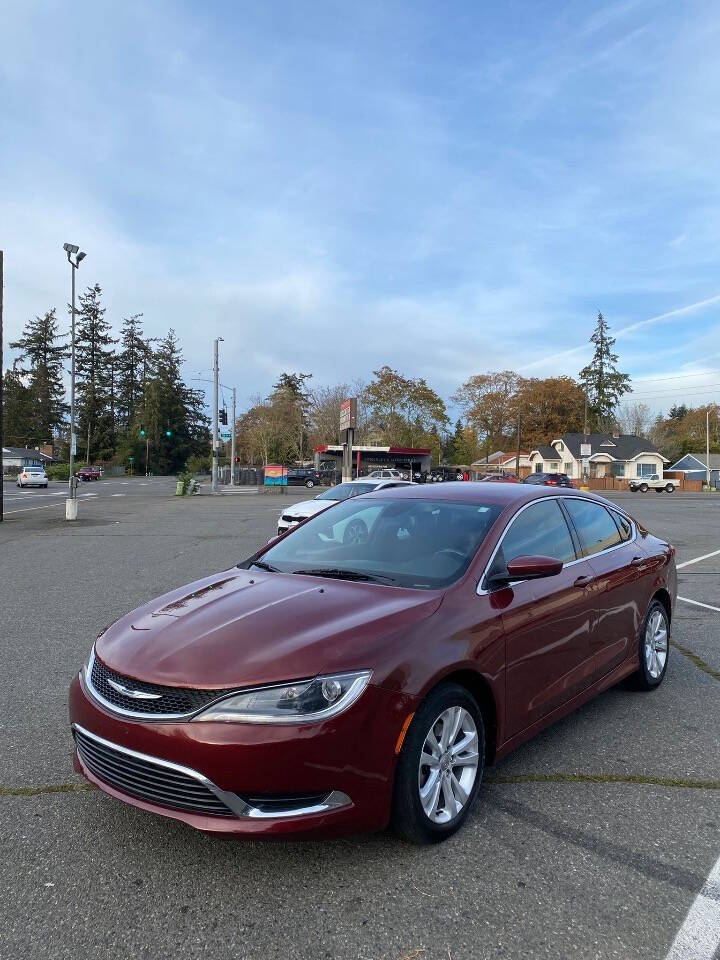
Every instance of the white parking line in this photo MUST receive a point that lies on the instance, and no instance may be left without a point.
(699, 936)
(118, 494)
(9, 513)
(705, 556)
(696, 603)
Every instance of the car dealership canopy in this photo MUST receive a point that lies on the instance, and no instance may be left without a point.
(367, 458)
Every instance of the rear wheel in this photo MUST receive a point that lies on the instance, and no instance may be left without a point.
(309, 483)
(670, 487)
(654, 647)
(440, 767)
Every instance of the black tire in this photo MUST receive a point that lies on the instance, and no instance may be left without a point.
(670, 487)
(643, 488)
(643, 679)
(408, 818)
(309, 483)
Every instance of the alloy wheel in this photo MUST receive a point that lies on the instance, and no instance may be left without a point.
(656, 644)
(448, 765)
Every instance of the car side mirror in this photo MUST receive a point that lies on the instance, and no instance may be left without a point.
(527, 568)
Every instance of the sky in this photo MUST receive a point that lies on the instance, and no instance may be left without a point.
(332, 186)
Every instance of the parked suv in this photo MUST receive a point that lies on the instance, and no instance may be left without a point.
(302, 477)
(88, 473)
(549, 479)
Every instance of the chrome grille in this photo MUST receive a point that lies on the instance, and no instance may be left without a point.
(171, 700)
(147, 779)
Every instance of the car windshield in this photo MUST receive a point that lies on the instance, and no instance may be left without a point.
(423, 544)
(343, 491)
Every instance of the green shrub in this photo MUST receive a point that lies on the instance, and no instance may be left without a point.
(58, 471)
(198, 464)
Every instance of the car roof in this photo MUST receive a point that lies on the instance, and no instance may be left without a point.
(502, 494)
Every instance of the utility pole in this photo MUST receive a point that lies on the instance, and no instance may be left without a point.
(71, 503)
(1, 386)
(517, 454)
(215, 440)
(232, 445)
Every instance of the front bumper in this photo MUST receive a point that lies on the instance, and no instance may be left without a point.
(348, 760)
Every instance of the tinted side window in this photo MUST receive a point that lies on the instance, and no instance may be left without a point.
(623, 524)
(540, 530)
(595, 527)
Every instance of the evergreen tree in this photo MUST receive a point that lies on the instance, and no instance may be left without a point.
(93, 376)
(603, 383)
(130, 366)
(173, 414)
(43, 353)
(17, 411)
(291, 397)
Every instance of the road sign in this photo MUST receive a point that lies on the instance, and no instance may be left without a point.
(131, 459)
(225, 435)
(585, 449)
(74, 445)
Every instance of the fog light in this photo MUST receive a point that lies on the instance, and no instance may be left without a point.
(331, 690)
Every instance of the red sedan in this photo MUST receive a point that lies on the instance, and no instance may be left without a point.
(366, 666)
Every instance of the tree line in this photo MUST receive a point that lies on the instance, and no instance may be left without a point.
(132, 381)
(131, 401)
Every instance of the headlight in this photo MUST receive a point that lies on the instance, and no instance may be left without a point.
(307, 701)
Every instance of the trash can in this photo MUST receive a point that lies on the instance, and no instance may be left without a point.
(180, 488)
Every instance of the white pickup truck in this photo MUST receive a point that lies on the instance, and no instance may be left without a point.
(654, 482)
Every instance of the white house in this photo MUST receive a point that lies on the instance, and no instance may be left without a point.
(611, 455)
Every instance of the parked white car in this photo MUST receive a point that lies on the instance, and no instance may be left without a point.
(653, 482)
(294, 514)
(387, 473)
(32, 477)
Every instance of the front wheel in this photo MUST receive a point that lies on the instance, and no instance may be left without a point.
(654, 647)
(309, 483)
(440, 767)
(643, 488)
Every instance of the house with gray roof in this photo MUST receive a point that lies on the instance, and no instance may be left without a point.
(15, 458)
(694, 466)
(619, 455)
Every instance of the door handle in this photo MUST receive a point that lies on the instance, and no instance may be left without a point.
(583, 581)
(638, 561)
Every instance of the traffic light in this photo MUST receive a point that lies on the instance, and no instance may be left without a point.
(142, 429)
(223, 416)
(168, 432)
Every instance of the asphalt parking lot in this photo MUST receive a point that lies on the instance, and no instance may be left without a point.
(592, 841)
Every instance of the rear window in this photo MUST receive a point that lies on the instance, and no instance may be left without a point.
(594, 525)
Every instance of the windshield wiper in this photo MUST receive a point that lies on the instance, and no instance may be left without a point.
(264, 566)
(340, 574)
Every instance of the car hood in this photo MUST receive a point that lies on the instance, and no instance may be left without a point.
(242, 628)
(306, 508)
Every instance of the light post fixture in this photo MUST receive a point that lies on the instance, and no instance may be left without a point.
(75, 257)
(708, 473)
(215, 440)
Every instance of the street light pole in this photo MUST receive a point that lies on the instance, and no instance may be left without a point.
(707, 448)
(72, 251)
(232, 446)
(215, 440)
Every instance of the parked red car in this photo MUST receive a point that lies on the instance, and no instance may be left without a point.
(88, 473)
(337, 683)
